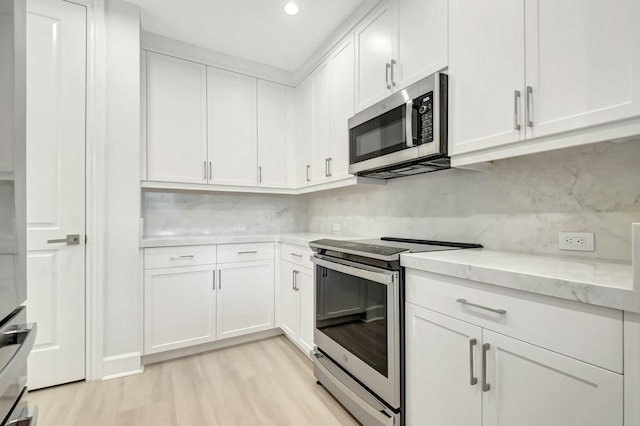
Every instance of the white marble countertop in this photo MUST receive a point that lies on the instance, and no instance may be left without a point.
(297, 238)
(595, 282)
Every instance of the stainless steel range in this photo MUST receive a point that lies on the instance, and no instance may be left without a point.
(359, 322)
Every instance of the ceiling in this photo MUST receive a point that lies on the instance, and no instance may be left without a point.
(256, 30)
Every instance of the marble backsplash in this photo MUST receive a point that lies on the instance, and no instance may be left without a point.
(520, 204)
(195, 213)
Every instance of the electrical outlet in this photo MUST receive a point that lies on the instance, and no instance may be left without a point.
(239, 227)
(336, 227)
(577, 241)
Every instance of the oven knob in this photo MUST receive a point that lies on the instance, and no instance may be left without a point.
(422, 109)
(345, 358)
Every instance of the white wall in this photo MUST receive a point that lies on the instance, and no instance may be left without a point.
(519, 205)
(122, 288)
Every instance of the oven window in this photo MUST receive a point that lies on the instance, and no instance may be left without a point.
(352, 311)
(382, 135)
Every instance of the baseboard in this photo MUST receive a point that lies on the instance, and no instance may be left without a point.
(123, 365)
(206, 347)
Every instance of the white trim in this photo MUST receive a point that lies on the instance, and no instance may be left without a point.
(122, 365)
(631, 369)
(95, 188)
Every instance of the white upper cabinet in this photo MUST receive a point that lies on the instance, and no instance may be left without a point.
(375, 39)
(583, 63)
(342, 107)
(400, 43)
(272, 135)
(321, 150)
(486, 74)
(176, 108)
(534, 69)
(232, 132)
(304, 131)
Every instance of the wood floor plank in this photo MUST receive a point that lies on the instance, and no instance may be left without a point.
(266, 383)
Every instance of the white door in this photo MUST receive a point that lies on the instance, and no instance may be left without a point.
(56, 40)
(486, 70)
(305, 286)
(342, 107)
(375, 41)
(179, 307)
(443, 370)
(423, 46)
(233, 148)
(321, 150)
(583, 63)
(176, 120)
(272, 135)
(245, 298)
(531, 386)
(304, 129)
(289, 302)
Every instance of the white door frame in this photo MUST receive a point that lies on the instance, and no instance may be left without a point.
(95, 186)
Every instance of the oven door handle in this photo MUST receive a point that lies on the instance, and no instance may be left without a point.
(24, 337)
(386, 277)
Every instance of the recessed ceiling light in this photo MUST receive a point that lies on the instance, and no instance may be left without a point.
(291, 8)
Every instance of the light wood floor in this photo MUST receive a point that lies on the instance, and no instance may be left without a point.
(269, 382)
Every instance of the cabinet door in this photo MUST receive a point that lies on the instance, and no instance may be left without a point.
(176, 108)
(531, 386)
(272, 135)
(440, 355)
(304, 131)
(422, 39)
(486, 64)
(342, 107)
(375, 40)
(583, 63)
(305, 286)
(321, 150)
(245, 298)
(289, 302)
(232, 128)
(179, 307)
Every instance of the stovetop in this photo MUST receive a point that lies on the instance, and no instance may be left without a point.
(387, 248)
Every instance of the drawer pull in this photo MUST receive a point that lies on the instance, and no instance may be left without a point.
(296, 255)
(472, 379)
(485, 386)
(248, 252)
(183, 257)
(486, 308)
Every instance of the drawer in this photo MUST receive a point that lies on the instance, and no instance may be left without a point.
(246, 252)
(169, 257)
(298, 255)
(589, 333)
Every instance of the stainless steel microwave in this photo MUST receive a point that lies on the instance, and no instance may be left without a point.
(403, 135)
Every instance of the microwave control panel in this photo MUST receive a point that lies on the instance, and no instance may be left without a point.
(424, 106)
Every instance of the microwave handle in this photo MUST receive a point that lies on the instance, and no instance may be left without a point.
(408, 122)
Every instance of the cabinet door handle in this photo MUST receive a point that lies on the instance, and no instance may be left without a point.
(219, 279)
(259, 174)
(308, 167)
(296, 255)
(516, 110)
(529, 106)
(495, 311)
(248, 252)
(205, 170)
(485, 386)
(329, 160)
(210, 174)
(472, 379)
(386, 73)
(393, 82)
(295, 281)
(214, 280)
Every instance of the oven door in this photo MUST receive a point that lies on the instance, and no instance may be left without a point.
(357, 323)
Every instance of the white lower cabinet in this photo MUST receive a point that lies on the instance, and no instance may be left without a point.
(461, 372)
(179, 307)
(297, 304)
(245, 298)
